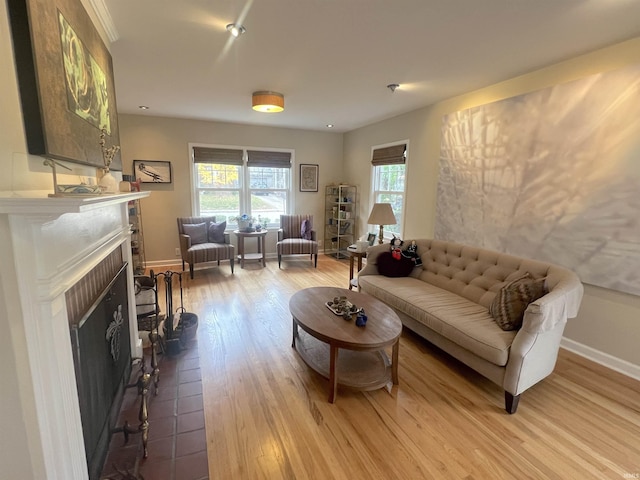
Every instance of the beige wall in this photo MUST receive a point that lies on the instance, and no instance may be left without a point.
(145, 137)
(609, 321)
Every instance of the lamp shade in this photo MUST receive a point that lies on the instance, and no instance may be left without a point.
(382, 214)
(267, 102)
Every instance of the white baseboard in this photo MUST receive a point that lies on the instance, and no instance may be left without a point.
(609, 361)
(164, 263)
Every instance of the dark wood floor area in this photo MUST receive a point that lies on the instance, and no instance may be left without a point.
(267, 416)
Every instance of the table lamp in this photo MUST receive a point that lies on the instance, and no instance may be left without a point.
(381, 214)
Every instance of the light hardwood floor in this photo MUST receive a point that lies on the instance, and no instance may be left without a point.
(267, 414)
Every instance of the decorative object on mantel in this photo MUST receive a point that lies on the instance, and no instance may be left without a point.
(65, 190)
(108, 182)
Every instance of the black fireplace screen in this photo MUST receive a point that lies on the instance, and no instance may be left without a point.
(102, 358)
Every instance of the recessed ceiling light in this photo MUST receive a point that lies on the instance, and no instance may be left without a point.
(329, 125)
(236, 29)
(143, 107)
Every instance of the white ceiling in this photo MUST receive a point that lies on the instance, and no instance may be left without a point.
(332, 59)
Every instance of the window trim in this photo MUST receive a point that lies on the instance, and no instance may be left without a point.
(373, 190)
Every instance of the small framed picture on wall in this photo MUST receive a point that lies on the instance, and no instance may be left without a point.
(152, 171)
(308, 177)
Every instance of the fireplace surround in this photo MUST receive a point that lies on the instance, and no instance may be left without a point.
(48, 245)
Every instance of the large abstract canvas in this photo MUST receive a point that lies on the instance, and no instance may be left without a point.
(552, 175)
(65, 76)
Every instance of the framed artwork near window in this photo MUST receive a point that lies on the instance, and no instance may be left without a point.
(308, 177)
(152, 171)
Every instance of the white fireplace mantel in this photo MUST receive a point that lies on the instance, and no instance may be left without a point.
(54, 243)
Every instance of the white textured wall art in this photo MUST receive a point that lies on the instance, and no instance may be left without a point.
(552, 175)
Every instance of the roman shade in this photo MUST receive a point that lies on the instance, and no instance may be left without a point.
(256, 158)
(395, 154)
(226, 156)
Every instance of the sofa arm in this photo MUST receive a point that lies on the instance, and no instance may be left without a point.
(532, 357)
(554, 308)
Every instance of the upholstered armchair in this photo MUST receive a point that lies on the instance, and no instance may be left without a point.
(296, 236)
(203, 240)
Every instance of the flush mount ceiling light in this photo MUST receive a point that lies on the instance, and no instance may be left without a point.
(392, 86)
(235, 29)
(267, 102)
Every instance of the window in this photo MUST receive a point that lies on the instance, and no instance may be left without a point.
(230, 182)
(389, 182)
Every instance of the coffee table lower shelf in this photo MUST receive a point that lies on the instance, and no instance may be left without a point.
(359, 370)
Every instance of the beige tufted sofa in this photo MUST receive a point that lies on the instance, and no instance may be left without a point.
(447, 300)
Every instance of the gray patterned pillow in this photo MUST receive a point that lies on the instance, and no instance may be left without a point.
(512, 300)
(197, 232)
(216, 232)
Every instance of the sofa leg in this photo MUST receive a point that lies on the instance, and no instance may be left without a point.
(511, 402)
(191, 270)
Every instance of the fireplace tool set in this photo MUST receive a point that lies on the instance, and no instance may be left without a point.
(171, 333)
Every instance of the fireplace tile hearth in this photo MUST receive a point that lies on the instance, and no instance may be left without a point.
(177, 441)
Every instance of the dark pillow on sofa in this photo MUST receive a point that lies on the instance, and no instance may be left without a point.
(216, 232)
(390, 267)
(197, 232)
(512, 300)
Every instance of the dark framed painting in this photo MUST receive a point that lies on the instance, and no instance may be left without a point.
(308, 177)
(152, 171)
(65, 78)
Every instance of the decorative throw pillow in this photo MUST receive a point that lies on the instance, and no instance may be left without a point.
(305, 229)
(512, 300)
(216, 232)
(197, 232)
(390, 267)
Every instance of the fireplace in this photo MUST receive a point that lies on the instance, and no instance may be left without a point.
(51, 246)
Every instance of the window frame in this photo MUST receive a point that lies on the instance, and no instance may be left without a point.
(244, 189)
(374, 192)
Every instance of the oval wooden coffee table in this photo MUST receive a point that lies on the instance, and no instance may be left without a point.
(362, 364)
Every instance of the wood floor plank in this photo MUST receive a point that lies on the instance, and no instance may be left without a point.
(267, 414)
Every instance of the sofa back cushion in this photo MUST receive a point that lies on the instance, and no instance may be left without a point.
(471, 272)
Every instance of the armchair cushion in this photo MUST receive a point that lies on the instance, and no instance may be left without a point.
(197, 232)
(216, 232)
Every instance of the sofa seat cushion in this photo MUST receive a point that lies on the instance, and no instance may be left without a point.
(459, 320)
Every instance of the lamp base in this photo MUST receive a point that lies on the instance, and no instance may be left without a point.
(381, 236)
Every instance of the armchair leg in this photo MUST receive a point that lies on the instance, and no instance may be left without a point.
(231, 263)
(511, 402)
(191, 270)
(183, 265)
(315, 263)
(279, 260)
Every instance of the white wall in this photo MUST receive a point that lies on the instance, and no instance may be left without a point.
(609, 321)
(145, 137)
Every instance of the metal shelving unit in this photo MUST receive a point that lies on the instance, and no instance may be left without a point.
(340, 219)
